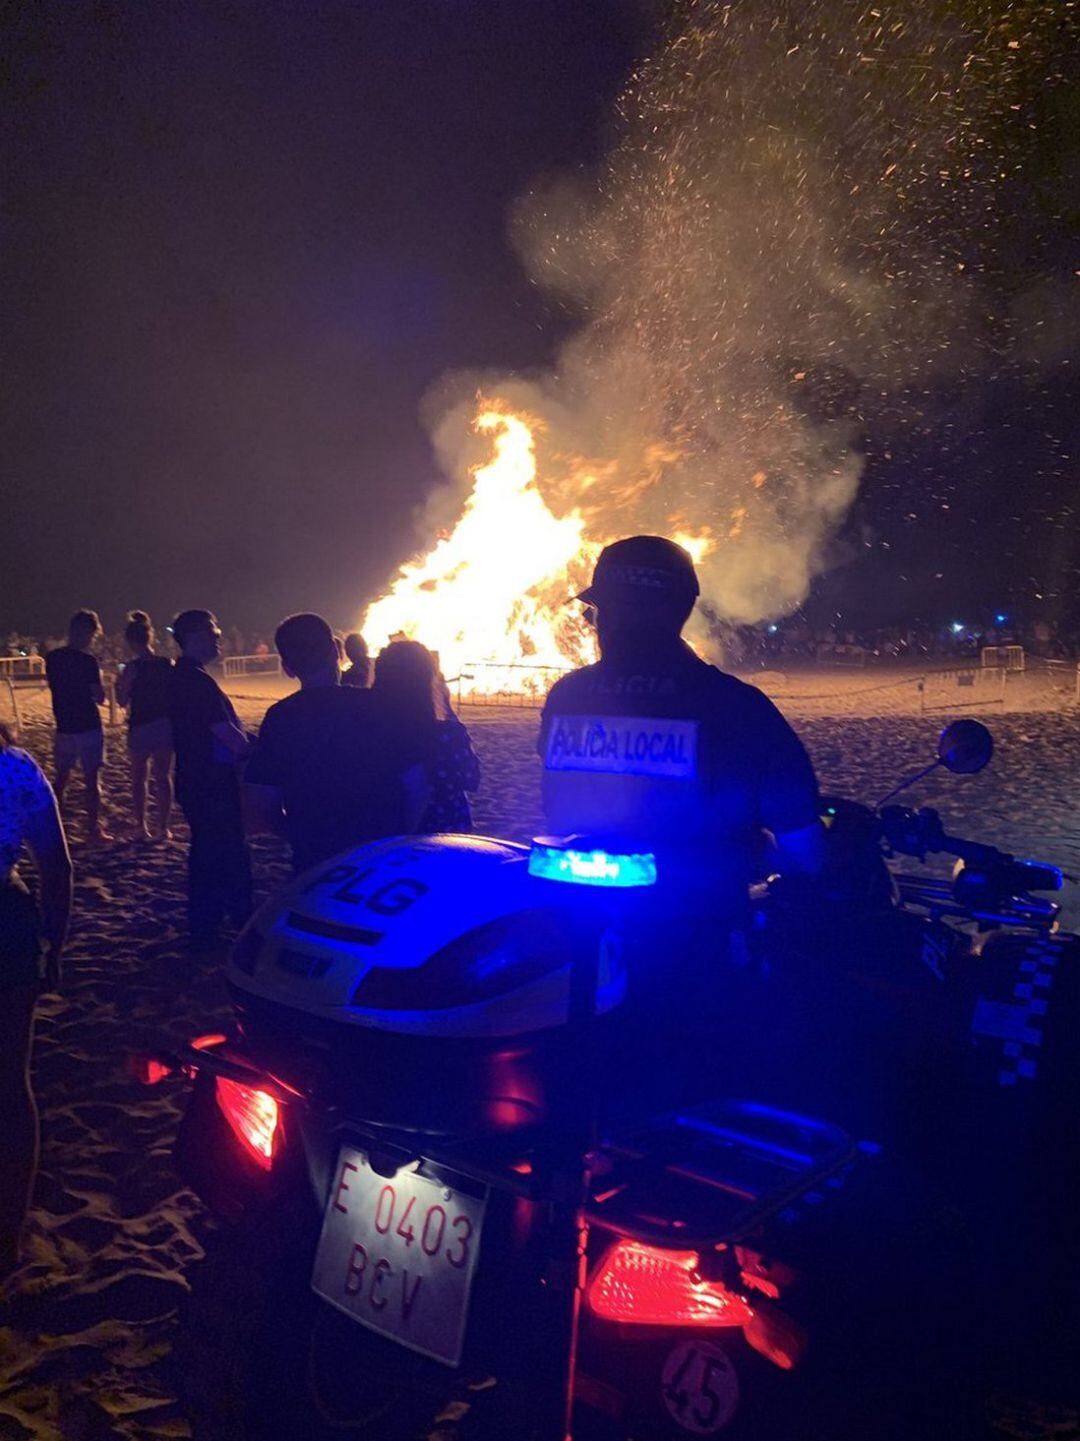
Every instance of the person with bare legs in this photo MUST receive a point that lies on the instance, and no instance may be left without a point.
(31, 942)
(143, 691)
(75, 682)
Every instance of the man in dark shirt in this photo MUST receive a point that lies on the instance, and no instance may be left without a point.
(209, 744)
(328, 770)
(75, 682)
(656, 750)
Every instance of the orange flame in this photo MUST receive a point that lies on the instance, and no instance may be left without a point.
(490, 597)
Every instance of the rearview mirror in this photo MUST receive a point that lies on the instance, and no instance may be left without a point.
(965, 747)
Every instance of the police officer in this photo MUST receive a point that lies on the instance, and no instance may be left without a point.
(653, 749)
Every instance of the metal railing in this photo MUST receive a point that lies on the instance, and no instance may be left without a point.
(22, 667)
(234, 665)
(509, 683)
(519, 685)
(1061, 677)
(964, 688)
(1006, 657)
(16, 719)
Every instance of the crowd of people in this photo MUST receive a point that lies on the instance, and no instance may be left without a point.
(356, 753)
(742, 647)
(359, 751)
(111, 649)
(796, 641)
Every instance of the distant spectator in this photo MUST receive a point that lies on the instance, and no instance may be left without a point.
(75, 682)
(356, 652)
(210, 744)
(31, 940)
(329, 770)
(408, 684)
(143, 691)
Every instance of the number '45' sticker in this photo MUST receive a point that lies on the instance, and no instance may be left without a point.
(700, 1387)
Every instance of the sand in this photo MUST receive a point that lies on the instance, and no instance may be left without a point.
(85, 1336)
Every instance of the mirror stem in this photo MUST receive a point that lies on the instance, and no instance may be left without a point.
(909, 782)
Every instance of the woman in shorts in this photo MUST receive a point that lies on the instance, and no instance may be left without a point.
(143, 690)
(31, 940)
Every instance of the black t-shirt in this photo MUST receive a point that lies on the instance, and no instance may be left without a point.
(337, 759)
(196, 705)
(149, 689)
(73, 676)
(671, 755)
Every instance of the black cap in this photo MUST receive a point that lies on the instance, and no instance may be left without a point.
(640, 570)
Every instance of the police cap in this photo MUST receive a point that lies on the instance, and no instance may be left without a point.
(641, 571)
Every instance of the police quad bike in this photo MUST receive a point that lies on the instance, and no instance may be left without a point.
(448, 1193)
(955, 1001)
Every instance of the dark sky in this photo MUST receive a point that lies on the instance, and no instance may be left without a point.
(239, 243)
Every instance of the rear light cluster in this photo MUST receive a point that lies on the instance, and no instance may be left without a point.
(253, 1115)
(647, 1286)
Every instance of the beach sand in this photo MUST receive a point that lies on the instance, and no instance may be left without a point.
(85, 1337)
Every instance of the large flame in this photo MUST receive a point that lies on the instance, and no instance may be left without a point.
(490, 597)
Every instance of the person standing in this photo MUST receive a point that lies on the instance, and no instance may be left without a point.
(210, 744)
(143, 691)
(331, 769)
(655, 748)
(359, 671)
(411, 690)
(74, 678)
(31, 942)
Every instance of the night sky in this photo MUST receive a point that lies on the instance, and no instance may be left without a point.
(240, 242)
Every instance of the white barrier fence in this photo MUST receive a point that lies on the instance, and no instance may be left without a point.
(22, 667)
(13, 719)
(1006, 657)
(1018, 684)
(234, 665)
(964, 688)
(1039, 686)
(494, 683)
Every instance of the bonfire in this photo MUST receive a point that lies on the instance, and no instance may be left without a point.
(494, 596)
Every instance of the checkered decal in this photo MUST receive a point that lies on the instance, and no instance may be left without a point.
(645, 575)
(1019, 1024)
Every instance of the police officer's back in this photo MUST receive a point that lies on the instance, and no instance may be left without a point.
(655, 749)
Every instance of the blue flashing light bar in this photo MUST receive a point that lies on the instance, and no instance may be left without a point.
(591, 868)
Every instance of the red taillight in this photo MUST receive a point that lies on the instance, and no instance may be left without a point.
(647, 1286)
(148, 1070)
(206, 1043)
(253, 1116)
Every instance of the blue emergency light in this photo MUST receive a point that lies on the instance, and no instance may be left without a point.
(591, 867)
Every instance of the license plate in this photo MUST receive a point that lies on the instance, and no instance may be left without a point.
(399, 1255)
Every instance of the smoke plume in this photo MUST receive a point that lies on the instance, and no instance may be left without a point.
(785, 248)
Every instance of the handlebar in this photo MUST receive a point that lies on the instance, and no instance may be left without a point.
(915, 833)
